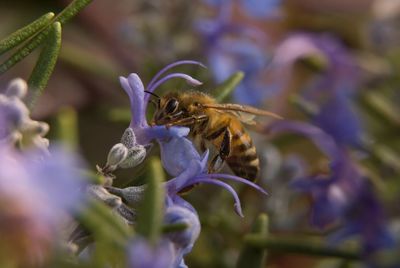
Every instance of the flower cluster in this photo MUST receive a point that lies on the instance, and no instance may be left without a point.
(16, 127)
(180, 159)
(37, 186)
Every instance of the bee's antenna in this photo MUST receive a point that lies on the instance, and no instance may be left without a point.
(153, 94)
(156, 104)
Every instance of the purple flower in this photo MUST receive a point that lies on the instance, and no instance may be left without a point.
(180, 159)
(15, 124)
(259, 9)
(340, 71)
(366, 219)
(230, 56)
(133, 86)
(190, 169)
(35, 193)
(344, 196)
(232, 47)
(331, 89)
(180, 211)
(131, 151)
(141, 254)
(337, 118)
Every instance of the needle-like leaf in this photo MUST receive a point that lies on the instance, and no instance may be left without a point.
(226, 88)
(45, 64)
(150, 210)
(24, 33)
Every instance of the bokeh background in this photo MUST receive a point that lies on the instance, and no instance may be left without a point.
(334, 64)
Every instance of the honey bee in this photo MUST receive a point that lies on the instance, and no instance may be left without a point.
(216, 124)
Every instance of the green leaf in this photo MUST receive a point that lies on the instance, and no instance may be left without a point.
(122, 115)
(101, 222)
(377, 104)
(24, 33)
(251, 256)
(67, 127)
(24, 51)
(226, 88)
(386, 155)
(45, 64)
(151, 208)
(71, 10)
(176, 227)
(110, 235)
(92, 64)
(299, 247)
(307, 107)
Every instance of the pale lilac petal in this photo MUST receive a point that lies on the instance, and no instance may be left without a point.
(237, 206)
(133, 86)
(177, 154)
(324, 142)
(190, 80)
(141, 254)
(170, 66)
(237, 179)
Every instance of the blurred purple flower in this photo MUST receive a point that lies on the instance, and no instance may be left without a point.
(337, 118)
(232, 47)
(15, 122)
(366, 219)
(339, 69)
(141, 254)
(343, 196)
(259, 9)
(331, 193)
(333, 86)
(35, 194)
(230, 56)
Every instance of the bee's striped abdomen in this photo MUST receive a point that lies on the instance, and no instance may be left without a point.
(243, 159)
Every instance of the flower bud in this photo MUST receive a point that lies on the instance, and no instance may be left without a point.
(117, 154)
(128, 138)
(136, 155)
(186, 238)
(17, 88)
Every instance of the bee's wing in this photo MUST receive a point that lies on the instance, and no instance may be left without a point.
(246, 118)
(244, 113)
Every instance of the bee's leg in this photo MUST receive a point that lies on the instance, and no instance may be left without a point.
(188, 121)
(203, 146)
(224, 149)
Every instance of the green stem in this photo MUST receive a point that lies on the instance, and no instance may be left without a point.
(150, 209)
(71, 10)
(299, 247)
(24, 33)
(177, 227)
(224, 89)
(67, 127)
(24, 51)
(98, 218)
(45, 64)
(251, 256)
(87, 62)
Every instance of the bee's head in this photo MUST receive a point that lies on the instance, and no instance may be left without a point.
(168, 109)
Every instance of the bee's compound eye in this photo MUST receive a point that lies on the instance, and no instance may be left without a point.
(171, 106)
